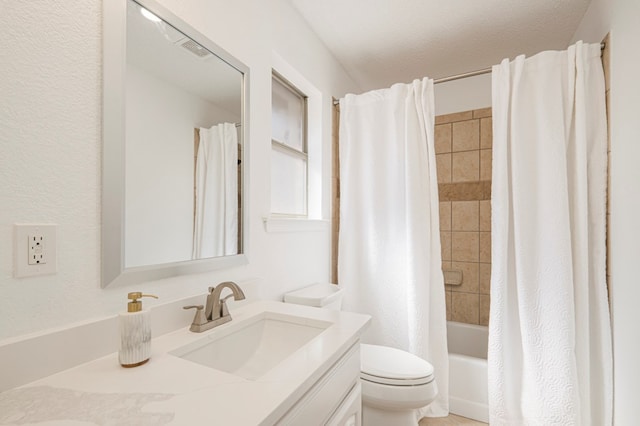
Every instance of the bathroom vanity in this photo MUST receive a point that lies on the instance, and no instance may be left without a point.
(274, 363)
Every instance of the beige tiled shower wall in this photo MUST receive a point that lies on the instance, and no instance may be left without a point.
(463, 160)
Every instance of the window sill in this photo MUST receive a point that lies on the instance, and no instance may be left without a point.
(278, 224)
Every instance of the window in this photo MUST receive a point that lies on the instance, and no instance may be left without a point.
(289, 151)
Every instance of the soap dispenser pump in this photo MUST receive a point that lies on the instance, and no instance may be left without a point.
(135, 332)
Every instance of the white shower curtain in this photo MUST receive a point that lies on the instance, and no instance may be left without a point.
(215, 230)
(550, 360)
(389, 244)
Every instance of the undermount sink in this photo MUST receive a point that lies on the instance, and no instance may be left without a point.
(254, 346)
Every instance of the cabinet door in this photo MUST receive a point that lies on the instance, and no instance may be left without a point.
(349, 413)
(323, 399)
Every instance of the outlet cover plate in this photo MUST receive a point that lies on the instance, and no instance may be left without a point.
(21, 244)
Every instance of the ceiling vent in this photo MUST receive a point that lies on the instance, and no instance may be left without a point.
(195, 48)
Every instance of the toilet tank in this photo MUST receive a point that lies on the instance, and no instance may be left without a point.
(320, 295)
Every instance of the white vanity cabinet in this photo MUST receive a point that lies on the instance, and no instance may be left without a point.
(349, 413)
(335, 399)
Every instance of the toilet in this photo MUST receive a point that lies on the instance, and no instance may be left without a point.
(395, 383)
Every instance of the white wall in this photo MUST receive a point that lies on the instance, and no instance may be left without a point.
(463, 95)
(50, 167)
(625, 206)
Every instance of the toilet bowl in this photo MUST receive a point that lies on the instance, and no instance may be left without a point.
(395, 383)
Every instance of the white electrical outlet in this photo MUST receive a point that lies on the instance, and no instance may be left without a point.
(34, 249)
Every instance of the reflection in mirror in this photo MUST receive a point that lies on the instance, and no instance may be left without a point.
(178, 209)
(216, 192)
(183, 146)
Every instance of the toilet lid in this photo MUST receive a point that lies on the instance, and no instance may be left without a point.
(385, 365)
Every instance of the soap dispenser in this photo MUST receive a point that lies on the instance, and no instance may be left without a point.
(135, 332)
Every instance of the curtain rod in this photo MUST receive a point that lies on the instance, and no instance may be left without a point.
(449, 78)
(464, 75)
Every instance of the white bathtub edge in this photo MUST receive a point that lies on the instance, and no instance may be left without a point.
(469, 409)
(468, 393)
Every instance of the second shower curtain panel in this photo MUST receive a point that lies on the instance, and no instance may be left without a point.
(550, 360)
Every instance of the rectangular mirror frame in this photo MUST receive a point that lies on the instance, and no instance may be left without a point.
(113, 271)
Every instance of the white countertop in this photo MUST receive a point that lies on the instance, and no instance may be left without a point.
(169, 390)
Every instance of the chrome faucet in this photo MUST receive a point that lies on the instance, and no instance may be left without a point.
(216, 312)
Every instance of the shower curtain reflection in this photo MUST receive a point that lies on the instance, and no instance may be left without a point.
(215, 231)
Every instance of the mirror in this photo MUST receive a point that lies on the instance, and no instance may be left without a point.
(175, 145)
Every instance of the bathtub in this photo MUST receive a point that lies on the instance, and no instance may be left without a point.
(468, 370)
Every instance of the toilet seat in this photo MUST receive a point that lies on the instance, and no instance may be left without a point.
(393, 367)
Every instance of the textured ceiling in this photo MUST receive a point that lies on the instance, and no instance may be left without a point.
(381, 42)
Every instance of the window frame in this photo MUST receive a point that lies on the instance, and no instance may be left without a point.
(287, 149)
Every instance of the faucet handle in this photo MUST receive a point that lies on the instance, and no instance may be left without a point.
(224, 310)
(198, 307)
(199, 319)
(211, 289)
